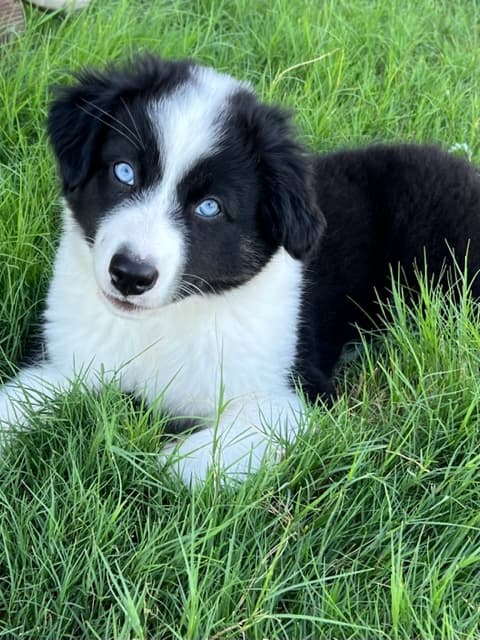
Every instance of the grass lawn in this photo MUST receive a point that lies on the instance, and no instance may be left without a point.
(370, 527)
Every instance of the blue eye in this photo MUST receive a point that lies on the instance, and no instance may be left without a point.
(124, 173)
(208, 208)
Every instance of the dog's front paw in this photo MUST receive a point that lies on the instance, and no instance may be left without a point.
(231, 459)
(7, 413)
(10, 419)
(189, 457)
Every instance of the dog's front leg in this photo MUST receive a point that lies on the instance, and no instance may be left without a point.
(28, 391)
(245, 434)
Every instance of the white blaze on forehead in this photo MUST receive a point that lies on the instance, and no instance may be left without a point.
(189, 123)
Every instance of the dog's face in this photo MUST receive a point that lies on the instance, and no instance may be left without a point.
(180, 180)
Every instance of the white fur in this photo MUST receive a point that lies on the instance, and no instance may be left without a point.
(189, 123)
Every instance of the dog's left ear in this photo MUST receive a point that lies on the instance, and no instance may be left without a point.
(288, 208)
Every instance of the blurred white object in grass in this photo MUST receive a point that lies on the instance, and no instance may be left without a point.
(54, 5)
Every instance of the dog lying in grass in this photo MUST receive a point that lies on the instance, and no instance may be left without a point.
(208, 258)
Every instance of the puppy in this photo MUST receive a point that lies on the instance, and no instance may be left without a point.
(209, 260)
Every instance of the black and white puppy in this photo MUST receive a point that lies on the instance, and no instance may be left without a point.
(206, 258)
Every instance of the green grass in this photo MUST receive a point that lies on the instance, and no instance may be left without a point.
(370, 527)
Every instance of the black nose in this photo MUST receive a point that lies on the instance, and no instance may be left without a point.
(131, 275)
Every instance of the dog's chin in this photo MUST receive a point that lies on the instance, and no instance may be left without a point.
(126, 309)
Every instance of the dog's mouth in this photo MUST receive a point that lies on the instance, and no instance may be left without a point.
(123, 305)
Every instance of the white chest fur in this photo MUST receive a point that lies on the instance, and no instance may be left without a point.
(242, 342)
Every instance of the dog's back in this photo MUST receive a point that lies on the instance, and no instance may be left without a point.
(386, 206)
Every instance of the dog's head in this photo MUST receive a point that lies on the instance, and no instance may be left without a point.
(180, 180)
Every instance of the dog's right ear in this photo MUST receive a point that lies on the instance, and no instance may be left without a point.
(75, 121)
(80, 113)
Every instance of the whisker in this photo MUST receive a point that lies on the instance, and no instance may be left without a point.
(132, 119)
(208, 284)
(109, 124)
(135, 134)
(189, 288)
